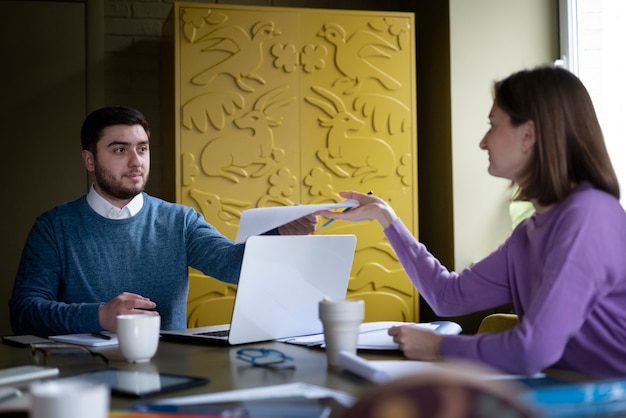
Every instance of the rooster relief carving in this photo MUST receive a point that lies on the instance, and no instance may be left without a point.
(233, 155)
(230, 50)
(354, 56)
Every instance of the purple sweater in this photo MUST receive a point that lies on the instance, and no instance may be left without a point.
(565, 273)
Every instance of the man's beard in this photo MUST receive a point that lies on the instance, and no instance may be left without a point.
(114, 188)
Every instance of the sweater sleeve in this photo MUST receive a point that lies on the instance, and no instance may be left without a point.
(447, 293)
(34, 308)
(211, 252)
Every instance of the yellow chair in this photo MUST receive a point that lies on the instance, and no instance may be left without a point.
(498, 322)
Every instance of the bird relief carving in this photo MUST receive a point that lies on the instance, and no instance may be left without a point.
(232, 51)
(355, 57)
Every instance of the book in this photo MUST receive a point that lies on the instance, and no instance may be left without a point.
(374, 336)
(137, 414)
(599, 398)
(292, 407)
(382, 371)
(289, 400)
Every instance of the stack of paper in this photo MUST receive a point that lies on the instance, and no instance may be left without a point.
(374, 336)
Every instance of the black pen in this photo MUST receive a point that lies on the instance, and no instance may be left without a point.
(100, 335)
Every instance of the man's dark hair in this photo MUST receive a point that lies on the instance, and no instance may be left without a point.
(98, 120)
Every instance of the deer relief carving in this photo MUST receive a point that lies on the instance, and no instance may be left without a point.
(371, 157)
(232, 156)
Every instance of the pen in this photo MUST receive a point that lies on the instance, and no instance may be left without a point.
(330, 221)
(9, 393)
(100, 335)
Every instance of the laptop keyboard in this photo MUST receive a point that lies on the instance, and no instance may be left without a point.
(222, 333)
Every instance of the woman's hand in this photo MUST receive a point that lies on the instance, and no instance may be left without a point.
(370, 207)
(417, 343)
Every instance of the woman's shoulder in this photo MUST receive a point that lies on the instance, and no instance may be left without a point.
(592, 206)
(587, 196)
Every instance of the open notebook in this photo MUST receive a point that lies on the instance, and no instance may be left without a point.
(282, 280)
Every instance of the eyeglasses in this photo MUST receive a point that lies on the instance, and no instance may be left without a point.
(65, 356)
(262, 357)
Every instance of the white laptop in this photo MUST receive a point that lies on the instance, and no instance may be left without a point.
(283, 277)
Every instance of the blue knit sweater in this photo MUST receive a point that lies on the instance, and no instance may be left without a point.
(74, 260)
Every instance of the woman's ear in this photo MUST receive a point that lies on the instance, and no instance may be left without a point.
(88, 159)
(530, 138)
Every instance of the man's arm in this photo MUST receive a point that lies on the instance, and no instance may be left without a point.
(34, 307)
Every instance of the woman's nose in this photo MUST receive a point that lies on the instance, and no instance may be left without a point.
(483, 143)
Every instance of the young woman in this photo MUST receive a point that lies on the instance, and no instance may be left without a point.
(564, 268)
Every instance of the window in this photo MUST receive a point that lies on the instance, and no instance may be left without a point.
(591, 34)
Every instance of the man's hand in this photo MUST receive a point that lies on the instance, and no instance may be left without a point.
(416, 343)
(122, 304)
(301, 226)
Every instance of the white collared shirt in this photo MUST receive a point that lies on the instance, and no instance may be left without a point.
(106, 209)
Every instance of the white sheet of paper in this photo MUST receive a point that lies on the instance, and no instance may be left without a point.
(297, 389)
(86, 339)
(259, 220)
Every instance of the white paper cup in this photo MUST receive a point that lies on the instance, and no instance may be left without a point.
(138, 336)
(341, 320)
(69, 399)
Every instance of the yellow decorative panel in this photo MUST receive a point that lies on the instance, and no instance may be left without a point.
(280, 106)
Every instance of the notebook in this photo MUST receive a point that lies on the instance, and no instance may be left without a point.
(282, 280)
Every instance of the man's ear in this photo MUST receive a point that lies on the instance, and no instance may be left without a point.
(88, 159)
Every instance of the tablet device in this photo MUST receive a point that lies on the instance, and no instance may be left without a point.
(139, 384)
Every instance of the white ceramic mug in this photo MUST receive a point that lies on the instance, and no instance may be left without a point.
(69, 399)
(138, 336)
(341, 320)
